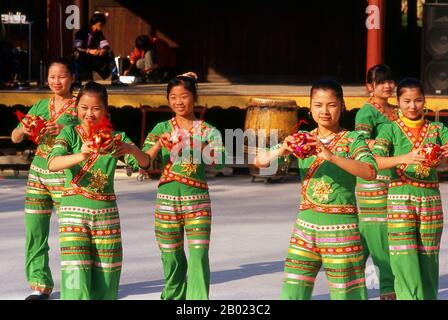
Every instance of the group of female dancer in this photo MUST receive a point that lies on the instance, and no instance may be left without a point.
(397, 217)
(365, 192)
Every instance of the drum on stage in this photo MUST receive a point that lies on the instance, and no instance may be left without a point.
(264, 115)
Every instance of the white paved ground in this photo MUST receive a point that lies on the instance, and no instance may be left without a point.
(251, 227)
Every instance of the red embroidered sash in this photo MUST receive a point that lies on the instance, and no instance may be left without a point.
(55, 115)
(168, 176)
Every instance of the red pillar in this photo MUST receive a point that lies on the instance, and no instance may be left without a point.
(375, 37)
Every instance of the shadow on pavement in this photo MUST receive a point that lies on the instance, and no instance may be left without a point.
(247, 271)
(139, 288)
(244, 271)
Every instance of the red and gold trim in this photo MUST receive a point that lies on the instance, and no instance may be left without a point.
(43, 186)
(182, 216)
(168, 176)
(323, 250)
(308, 203)
(404, 179)
(405, 216)
(328, 209)
(198, 125)
(106, 232)
(44, 139)
(392, 116)
(430, 185)
(84, 193)
(82, 133)
(41, 288)
(77, 189)
(52, 109)
(371, 193)
(417, 142)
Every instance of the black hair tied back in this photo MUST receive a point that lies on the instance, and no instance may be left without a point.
(188, 80)
(94, 88)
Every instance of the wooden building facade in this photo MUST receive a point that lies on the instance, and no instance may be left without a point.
(248, 40)
(255, 41)
(236, 41)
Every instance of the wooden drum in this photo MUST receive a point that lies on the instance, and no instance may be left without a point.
(267, 114)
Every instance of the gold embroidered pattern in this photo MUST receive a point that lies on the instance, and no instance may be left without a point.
(322, 190)
(47, 142)
(98, 181)
(422, 171)
(189, 167)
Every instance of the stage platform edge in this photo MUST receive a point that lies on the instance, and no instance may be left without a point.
(138, 98)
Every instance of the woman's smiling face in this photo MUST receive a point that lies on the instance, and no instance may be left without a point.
(325, 107)
(181, 100)
(411, 103)
(91, 109)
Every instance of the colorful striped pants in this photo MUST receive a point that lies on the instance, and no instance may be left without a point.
(91, 250)
(329, 240)
(372, 202)
(415, 224)
(180, 207)
(43, 192)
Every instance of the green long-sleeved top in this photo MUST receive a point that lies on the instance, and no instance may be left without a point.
(326, 187)
(369, 121)
(94, 177)
(190, 169)
(396, 139)
(45, 109)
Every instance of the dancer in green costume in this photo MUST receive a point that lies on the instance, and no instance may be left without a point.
(89, 224)
(372, 195)
(414, 206)
(183, 202)
(326, 231)
(44, 188)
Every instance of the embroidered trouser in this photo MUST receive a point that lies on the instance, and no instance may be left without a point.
(43, 192)
(415, 224)
(180, 207)
(331, 241)
(372, 202)
(91, 251)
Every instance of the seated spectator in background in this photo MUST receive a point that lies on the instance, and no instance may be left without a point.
(93, 53)
(153, 60)
(165, 59)
(142, 59)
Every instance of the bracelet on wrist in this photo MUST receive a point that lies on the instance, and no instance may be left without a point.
(276, 147)
(149, 164)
